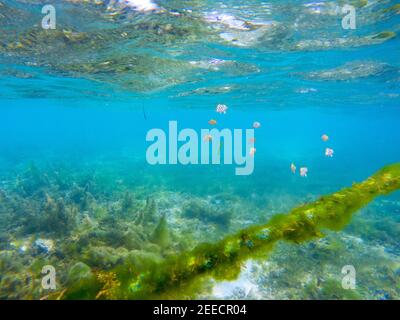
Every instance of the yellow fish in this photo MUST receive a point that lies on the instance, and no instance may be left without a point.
(212, 122)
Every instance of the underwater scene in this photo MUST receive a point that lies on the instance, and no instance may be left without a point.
(198, 149)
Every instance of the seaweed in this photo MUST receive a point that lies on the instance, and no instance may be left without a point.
(161, 234)
(148, 214)
(32, 181)
(81, 196)
(199, 210)
(185, 274)
(57, 217)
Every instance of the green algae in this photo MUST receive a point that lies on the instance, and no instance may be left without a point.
(333, 290)
(161, 234)
(183, 275)
(393, 9)
(199, 210)
(384, 35)
(148, 214)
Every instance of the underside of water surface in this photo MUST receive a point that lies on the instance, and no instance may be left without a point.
(79, 194)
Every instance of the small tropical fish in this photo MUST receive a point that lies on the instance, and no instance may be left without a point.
(325, 138)
(293, 168)
(221, 108)
(252, 151)
(207, 137)
(256, 125)
(212, 122)
(329, 152)
(303, 171)
(252, 140)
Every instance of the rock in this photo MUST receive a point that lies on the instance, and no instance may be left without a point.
(43, 246)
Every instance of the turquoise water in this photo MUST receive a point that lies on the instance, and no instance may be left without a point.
(77, 102)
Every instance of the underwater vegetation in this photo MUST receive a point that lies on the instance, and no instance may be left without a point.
(180, 276)
(114, 229)
(113, 240)
(204, 212)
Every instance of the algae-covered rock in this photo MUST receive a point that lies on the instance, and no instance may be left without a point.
(208, 213)
(104, 257)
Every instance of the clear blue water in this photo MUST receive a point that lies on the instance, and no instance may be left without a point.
(95, 122)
